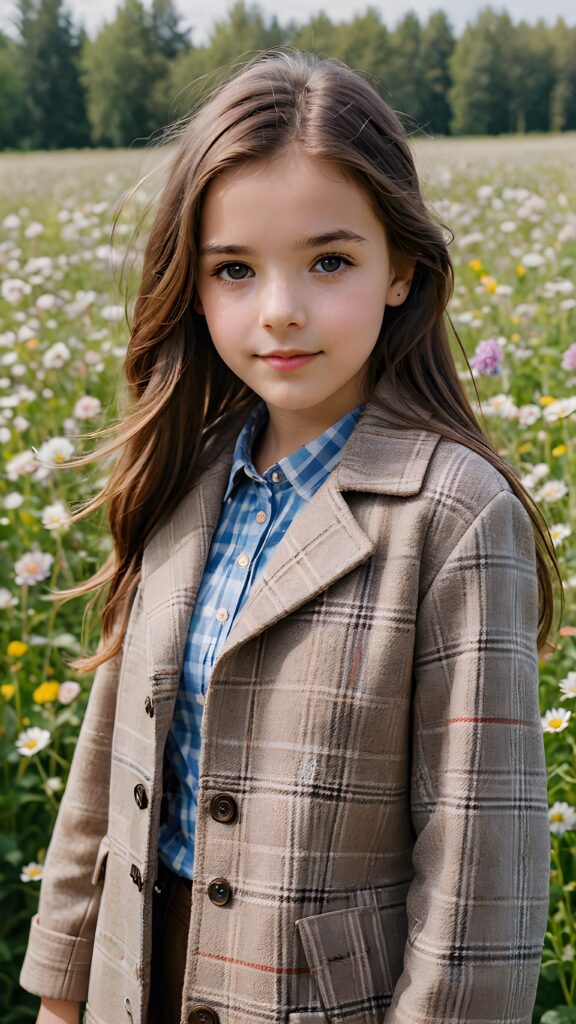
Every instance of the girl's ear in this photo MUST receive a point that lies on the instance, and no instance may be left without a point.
(399, 284)
(198, 306)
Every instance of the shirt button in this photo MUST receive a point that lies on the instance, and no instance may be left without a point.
(222, 614)
(243, 560)
(260, 517)
(276, 476)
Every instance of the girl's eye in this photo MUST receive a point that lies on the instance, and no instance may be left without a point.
(333, 263)
(237, 271)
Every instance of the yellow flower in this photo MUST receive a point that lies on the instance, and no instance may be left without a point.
(520, 270)
(46, 692)
(476, 265)
(7, 690)
(515, 337)
(50, 670)
(31, 343)
(546, 399)
(477, 313)
(490, 283)
(26, 720)
(16, 648)
(515, 319)
(560, 449)
(526, 447)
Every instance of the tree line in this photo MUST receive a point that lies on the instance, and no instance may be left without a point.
(59, 88)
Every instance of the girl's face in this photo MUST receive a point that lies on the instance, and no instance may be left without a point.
(275, 286)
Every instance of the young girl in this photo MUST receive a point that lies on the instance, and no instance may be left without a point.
(310, 782)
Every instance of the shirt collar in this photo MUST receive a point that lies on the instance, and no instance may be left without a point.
(307, 468)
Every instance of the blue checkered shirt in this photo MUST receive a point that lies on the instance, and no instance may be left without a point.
(256, 512)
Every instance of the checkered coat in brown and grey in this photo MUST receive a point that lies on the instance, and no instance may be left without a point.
(374, 713)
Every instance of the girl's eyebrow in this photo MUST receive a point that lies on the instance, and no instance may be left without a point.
(313, 242)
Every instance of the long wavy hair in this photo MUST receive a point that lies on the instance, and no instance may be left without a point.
(180, 393)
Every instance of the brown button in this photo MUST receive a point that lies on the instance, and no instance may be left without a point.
(140, 796)
(203, 1015)
(260, 517)
(149, 706)
(223, 807)
(219, 891)
(136, 877)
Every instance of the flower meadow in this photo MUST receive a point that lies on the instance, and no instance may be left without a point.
(511, 205)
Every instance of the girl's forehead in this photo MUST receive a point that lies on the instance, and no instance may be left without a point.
(296, 187)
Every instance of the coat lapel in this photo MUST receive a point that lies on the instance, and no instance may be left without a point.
(322, 544)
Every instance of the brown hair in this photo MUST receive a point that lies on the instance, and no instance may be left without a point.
(181, 393)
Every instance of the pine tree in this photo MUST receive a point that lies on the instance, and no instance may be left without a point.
(53, 93)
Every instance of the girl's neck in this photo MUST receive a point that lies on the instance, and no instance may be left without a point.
(284, 432)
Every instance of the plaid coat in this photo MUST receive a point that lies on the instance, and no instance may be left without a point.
(374, 715)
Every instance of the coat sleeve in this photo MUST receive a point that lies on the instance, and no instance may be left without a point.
(59, 951)
(478, 902)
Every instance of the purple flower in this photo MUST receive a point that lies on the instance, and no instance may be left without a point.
(569, 360)
(487, 357)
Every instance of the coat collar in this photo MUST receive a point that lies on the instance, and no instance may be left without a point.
(324, 542)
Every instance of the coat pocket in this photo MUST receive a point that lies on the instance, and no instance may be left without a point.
(100, 865)
(356, 954)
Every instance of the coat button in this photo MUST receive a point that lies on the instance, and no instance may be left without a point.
(219, 891)
(223, 807)
(149, 706)
(203, 1015)
(140, 796)
(136, 877)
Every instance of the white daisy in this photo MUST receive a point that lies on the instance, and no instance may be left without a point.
(33, 567)
(112, 312)
(30, 741)
(562, 817)
(20, 464)
(529, 414)
(34, 228)
(568, 686)
(553, 490)
(559, 409)
(31, 872)
(56, 516)
(55, 451)
(87, 407)
(13, 290)
(56, 356)
(555, 719)
(13, 500)
(7, 600)
(558, 533)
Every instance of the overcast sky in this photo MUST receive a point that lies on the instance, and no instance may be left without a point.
(200, 16)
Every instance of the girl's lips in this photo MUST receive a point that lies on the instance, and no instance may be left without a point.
(291, 363)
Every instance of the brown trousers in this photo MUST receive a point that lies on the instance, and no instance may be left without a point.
(169, 941)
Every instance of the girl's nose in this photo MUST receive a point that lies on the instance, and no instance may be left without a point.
(281, 305)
